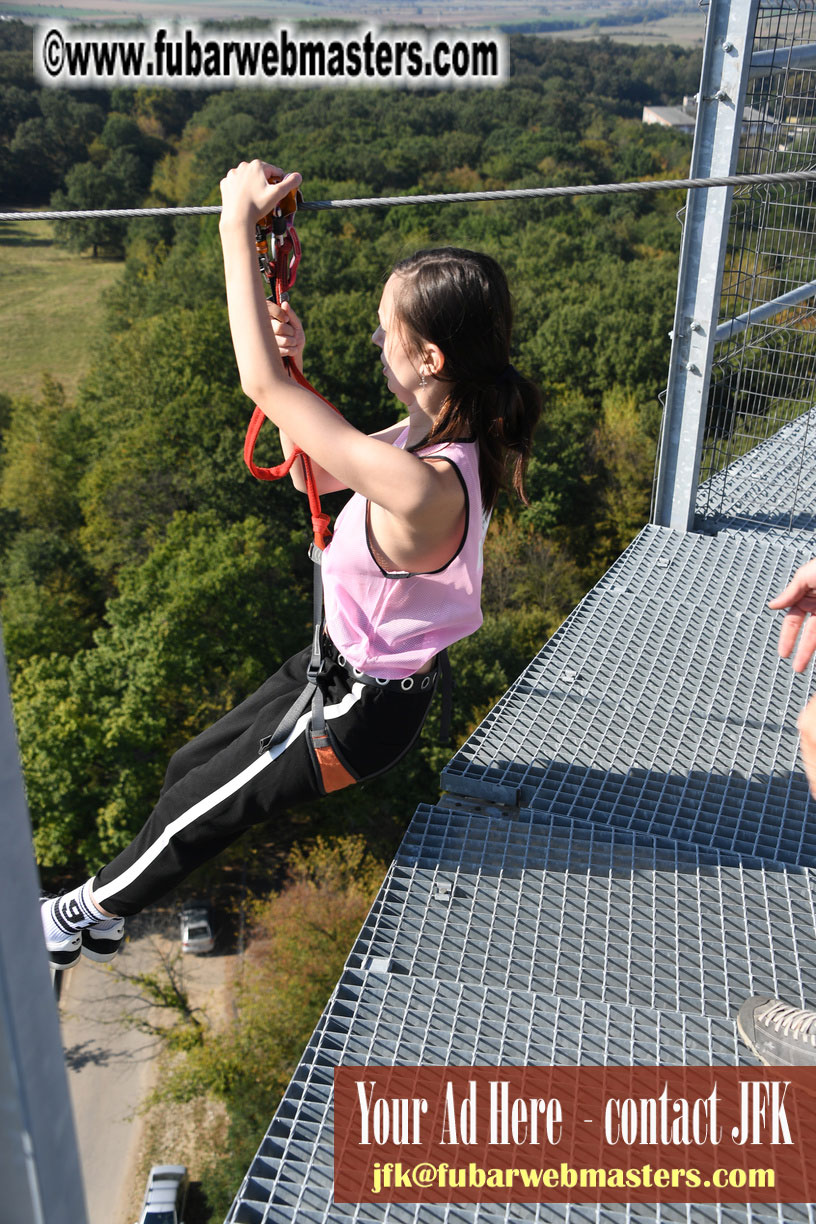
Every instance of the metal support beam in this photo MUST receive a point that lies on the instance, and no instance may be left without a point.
(780, 59)
(726, 60)
(40, 1180)
(758, 314)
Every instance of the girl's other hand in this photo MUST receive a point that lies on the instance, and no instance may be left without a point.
(247, 194)
(288, 331)
(807, 731)
(799, 602)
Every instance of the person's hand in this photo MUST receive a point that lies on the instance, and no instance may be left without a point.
(288, 331)
(799, 598)
(807, 742)
(247, 194)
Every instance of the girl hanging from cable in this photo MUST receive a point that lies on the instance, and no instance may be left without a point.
(401, 576)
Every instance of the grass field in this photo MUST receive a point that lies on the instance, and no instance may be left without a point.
(50, 307)
(683, 30)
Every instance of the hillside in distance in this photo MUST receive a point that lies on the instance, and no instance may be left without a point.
(653, 22)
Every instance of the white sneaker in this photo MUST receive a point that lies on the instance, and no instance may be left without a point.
(102, 941)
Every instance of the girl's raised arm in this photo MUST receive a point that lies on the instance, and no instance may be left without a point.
(394, 479)
(290, 339)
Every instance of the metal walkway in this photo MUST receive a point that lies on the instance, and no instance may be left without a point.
(660, 705)
(623, 855)
(736, 498)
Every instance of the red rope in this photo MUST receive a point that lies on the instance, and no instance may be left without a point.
(320, 520)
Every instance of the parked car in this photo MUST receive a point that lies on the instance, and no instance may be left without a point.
(165, 1195)
(197, 929)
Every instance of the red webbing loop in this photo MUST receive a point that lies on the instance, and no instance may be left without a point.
(320, 520)
(263, 473)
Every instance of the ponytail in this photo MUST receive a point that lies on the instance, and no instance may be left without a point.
(501, 417)
(459, 301)
(518, 411)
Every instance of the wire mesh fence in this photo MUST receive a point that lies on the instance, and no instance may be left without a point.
(764, 371)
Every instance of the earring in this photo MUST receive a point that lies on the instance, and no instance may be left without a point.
(423, 382)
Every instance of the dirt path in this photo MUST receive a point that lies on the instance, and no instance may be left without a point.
(109, 1072)
(111, 1067)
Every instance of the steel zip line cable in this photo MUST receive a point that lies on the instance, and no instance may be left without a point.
(456, 197)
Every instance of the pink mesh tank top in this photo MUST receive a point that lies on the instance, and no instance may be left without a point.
(390, 624)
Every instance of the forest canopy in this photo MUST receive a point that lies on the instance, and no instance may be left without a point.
(148, 583)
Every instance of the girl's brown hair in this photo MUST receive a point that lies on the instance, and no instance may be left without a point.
(460, 301)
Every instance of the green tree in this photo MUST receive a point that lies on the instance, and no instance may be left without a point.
(46, 146)
(168, 419)
(44, 454)
(89, 188)
(627, 450)
(51, 598)
(16, 104)
(196, 627)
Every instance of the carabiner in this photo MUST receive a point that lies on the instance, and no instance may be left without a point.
(278, 246)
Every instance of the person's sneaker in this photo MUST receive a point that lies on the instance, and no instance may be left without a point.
(64, 948)
(779, 1034)
(64, 951)
(103, 941)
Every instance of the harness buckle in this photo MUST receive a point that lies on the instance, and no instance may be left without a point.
(316, 669)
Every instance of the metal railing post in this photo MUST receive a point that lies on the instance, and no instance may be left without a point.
(724, 79)
(40, 1176)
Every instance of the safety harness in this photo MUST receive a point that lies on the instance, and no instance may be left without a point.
(279, 252)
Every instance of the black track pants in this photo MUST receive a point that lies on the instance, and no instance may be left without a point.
(221, 783)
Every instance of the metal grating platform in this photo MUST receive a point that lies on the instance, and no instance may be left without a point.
(660, 705)
(770, 490)
(312, 1207)
(652, 874)
(392, 1019)
(583, 913)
